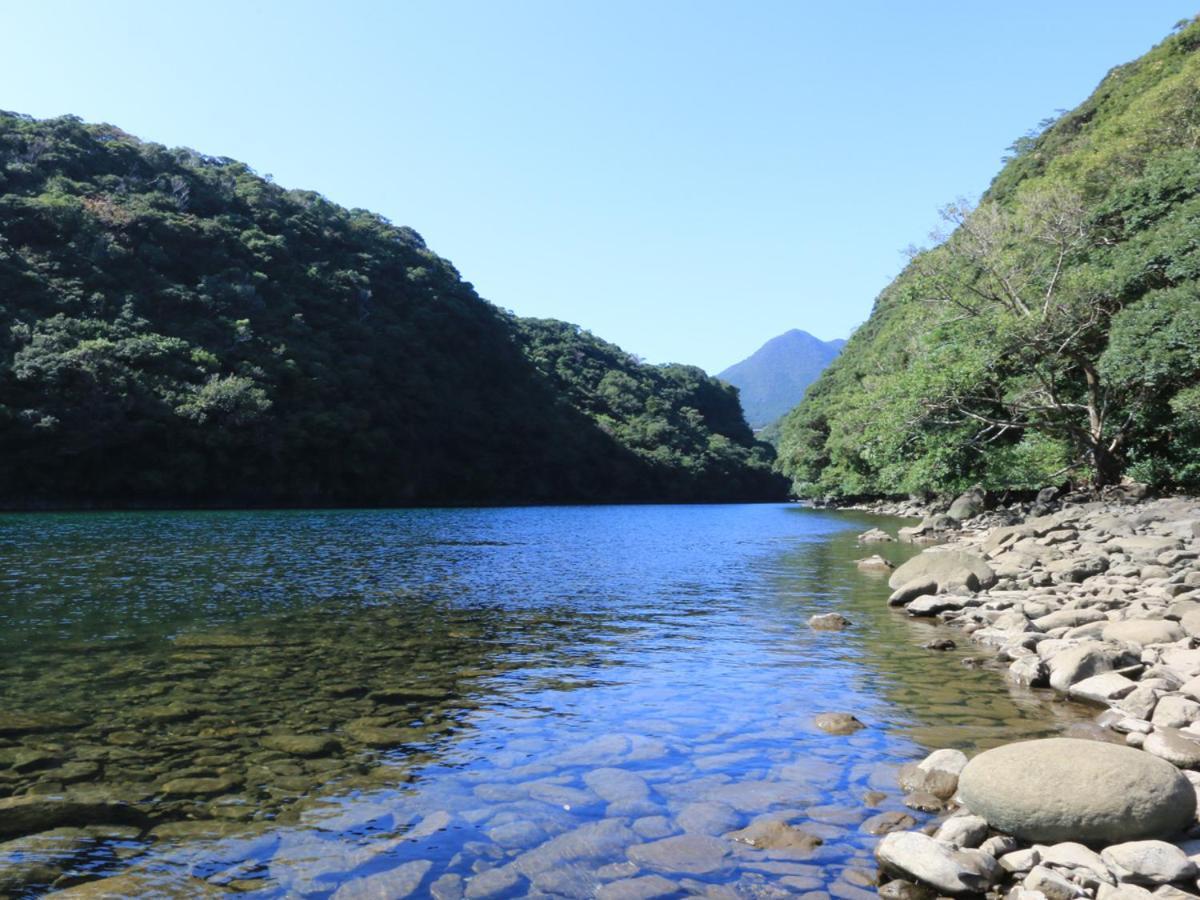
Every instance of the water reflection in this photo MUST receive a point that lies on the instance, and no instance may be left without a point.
(565, 702)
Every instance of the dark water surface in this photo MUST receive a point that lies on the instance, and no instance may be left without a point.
(495, 702)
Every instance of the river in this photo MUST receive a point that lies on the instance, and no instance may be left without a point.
(567, 701)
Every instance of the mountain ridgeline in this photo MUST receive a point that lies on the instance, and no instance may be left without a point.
(1053, 331)
(773, 379)
(175, 329)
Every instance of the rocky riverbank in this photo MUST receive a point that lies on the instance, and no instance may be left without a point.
(1099, 600)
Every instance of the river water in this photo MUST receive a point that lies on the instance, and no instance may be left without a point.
(565, 702)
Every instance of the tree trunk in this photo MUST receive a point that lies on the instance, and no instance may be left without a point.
(1106, 465)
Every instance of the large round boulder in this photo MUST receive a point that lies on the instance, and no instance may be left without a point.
(1063, 789)
(949, 568)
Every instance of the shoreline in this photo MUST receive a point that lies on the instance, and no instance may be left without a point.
(1098, 600)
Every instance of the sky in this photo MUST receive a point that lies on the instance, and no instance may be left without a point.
(685, 178)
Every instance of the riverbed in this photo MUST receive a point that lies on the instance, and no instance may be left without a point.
(574, 701)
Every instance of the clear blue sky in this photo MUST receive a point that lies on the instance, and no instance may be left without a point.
(687, 179)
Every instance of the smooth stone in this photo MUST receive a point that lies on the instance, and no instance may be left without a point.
(1104, 688)
(933, 604)
(1148, 862)
(910, 854)
(899, 889)
(593, 840)
(874, 536)
(627, 793)
(691, 854)
(1063, 789)
(394, 884)
(950, 569)
(707, 818)
(1169, 744)
(911, 590)
(923, 801)
(14, 723)
(492, 882)
(301, 744)
(775, 834)
(28, 814)
(963, 831)
(1082, 661)
(838, 723)
(141, 884)
(200, 787)
(1122, 892)
(1143, 632)
(1175, 711)
(645, 887)
(874, 563)
(887, 822)
(1044, 882)
(1073, 855)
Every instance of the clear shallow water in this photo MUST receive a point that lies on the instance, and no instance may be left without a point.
(501, 702)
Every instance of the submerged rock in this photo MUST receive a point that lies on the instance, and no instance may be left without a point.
(33, 813)
(693, 854)
(1062, 789)
(829, 622)
(874, 536)
(302, 744)
(838, 723)
(887, 822)
(776, 834)
(874, 563)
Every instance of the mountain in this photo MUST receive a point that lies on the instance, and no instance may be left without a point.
(176, 330)
(773, 379)
(1053, 331)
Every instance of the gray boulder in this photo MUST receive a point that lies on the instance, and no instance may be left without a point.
(1169, 744)
(1148, 862)
(910, 854)
(1083, 661)
(1077, 570)
(911, 590)
(968, 505)
(949, 569)
(1105, 688)
(1143, 632)
(1063, 789)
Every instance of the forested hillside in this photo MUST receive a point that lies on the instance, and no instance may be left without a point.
(1054, 331)
(177, 329)
(773, 379)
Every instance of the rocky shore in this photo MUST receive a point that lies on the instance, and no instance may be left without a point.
(1099, 600)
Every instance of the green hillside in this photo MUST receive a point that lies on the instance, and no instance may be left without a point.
(175, 329)
(1054, 332)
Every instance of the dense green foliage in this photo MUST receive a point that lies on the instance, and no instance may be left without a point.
(176, 329)
(773, 379)
(685, 426)
(1054, 332)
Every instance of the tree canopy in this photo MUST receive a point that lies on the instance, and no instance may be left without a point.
(176, 329)
(1052, 332)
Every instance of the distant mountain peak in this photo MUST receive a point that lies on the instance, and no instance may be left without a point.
(773, 379)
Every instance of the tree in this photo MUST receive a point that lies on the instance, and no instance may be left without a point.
(1007, 283)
